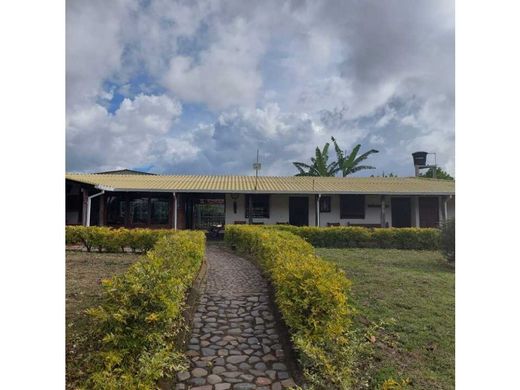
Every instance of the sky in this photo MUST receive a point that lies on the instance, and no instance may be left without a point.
(196, 87)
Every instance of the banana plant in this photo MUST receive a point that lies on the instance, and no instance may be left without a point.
(350, 164)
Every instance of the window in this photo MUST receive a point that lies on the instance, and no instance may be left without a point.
(138, 211)
(116, 210)
(325, 204)
(352, 206)
(160, 209)
(260, 206)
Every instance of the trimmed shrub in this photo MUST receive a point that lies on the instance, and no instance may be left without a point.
(141, 315)
(361, 237)
(108, 239)
(311, 295)
(448, 240)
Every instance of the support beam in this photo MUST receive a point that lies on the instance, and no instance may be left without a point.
(102, 202)
(383, 211)
(89, 205)
(174, 211)
(84, 206)
(417, 218)
(445, 207)
(442, 217)
(318, 210)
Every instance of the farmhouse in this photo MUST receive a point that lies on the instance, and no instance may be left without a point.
(129, 199)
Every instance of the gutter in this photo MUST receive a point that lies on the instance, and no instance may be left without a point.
(89, 205)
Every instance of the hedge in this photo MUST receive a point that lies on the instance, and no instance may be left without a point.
(312, 296)
(114, 240)
(361, 237)
(448, 240)
(141, 315)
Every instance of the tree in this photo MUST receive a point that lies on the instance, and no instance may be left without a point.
(385, 175)
(440, 174)
(350, 164)
(320, 165)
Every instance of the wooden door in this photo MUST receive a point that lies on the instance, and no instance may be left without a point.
(429, 211)
(299, 211)
(401, 212)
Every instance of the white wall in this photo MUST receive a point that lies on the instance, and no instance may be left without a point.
(279, 210)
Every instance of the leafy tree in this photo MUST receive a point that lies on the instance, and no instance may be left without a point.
(320, 164)
(441, 174)
(350, 164)
(385, 175)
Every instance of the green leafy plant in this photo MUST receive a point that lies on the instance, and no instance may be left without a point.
(350, 164)
(448, 239)
(320, 164)
(312, 296)
(361, 237)
(107, 239)
(141, 315)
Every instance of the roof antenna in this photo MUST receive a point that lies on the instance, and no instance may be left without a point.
(256, 166)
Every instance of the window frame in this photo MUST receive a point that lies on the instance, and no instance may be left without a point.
(267, 207)
(351, 213)
(327, 209)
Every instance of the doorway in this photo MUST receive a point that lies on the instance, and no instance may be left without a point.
(205, 211)
(429, 212)
(401, 212)
(298, 211)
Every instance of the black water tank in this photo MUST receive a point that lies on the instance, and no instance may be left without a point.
(419, 158)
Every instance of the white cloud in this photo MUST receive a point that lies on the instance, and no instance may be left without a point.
(98, 140)
(226, 73)
(283, 78)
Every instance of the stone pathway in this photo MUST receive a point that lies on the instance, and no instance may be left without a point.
(234, 343)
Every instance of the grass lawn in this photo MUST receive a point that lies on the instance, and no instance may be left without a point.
(84, 271)
(413, 293)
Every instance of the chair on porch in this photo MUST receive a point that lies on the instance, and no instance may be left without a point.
(240, 222)
(331, 224)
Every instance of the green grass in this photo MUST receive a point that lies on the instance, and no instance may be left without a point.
(413, 294)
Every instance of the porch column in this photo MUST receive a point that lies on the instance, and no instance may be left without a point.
(441, 210)
(102, 200)
(318, 210)
(417, 218)
(175, 211)
(445, 208)
(84, 207)
(383, 211)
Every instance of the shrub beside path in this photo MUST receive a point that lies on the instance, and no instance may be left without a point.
(234, 343)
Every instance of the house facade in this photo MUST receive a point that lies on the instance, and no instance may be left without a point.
(198, 202)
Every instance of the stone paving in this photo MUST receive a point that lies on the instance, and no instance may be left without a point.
(234, 342)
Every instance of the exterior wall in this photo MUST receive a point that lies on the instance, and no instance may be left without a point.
(279, 211)
(372, 214)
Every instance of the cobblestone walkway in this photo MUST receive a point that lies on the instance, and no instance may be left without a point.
(234, 343)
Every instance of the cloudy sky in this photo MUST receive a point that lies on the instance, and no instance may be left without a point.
(195, 87)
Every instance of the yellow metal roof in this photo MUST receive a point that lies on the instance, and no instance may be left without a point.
(267, 184)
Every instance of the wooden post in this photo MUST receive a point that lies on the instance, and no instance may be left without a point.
(102, 201)
(416, 208)
(318, 197)
(383, 211)
(442, 217)
(250, 207)
(84, 208)
(174, 211)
